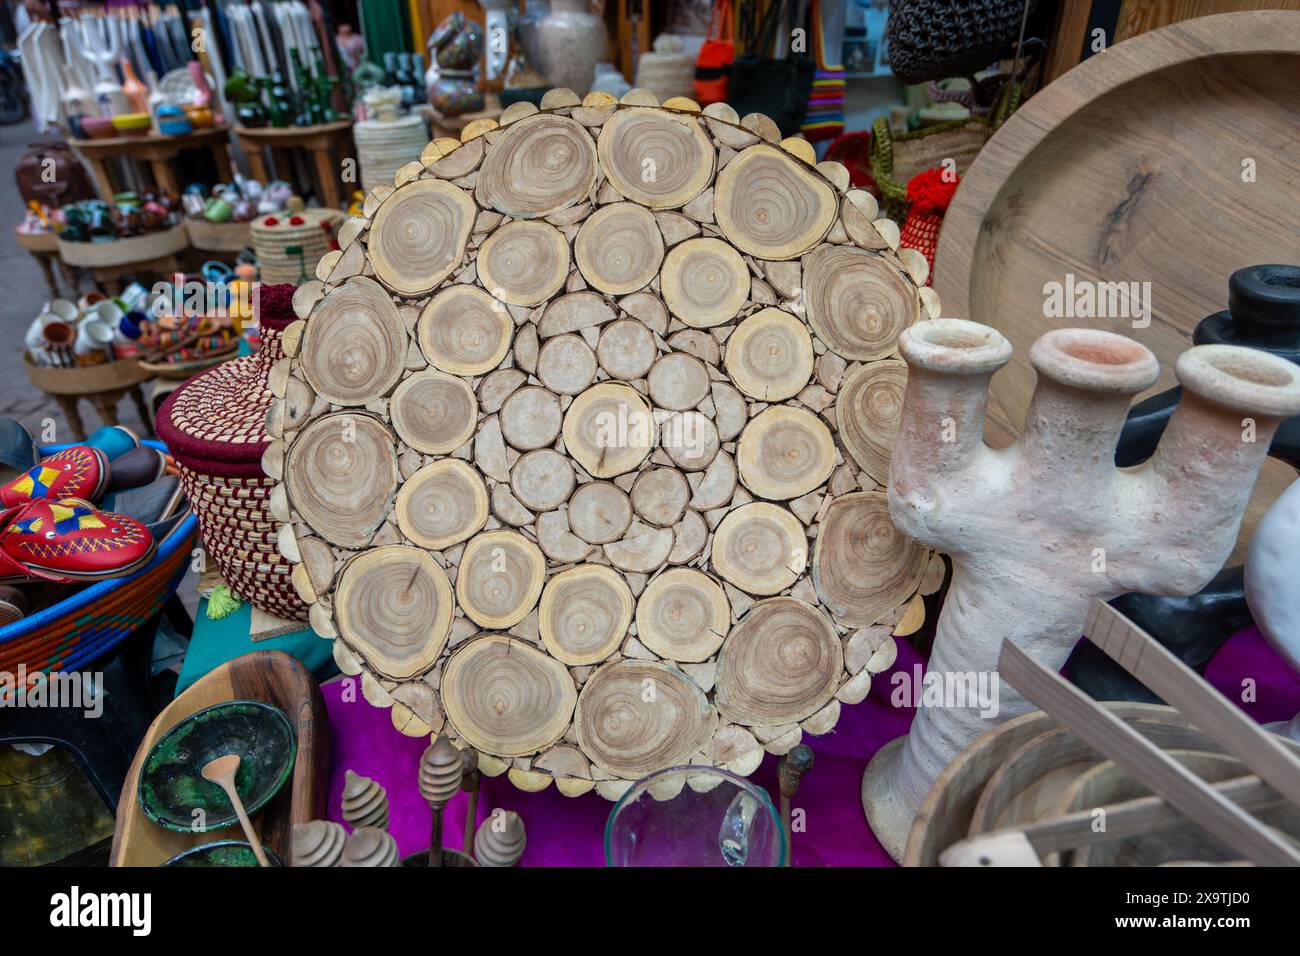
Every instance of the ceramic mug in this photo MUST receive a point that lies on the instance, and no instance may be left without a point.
(62, 310)
(93, 336)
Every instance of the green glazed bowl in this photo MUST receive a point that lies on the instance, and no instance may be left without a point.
(222, 853)
(172, 787)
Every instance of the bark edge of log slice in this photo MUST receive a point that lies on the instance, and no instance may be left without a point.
(437, 416)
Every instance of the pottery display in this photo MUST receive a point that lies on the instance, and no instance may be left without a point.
(1272, 572)
(571, 39)
(1038, 531)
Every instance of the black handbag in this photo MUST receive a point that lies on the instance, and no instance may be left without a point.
(937, 39)
(779, 89)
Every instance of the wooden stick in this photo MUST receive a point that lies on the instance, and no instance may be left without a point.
(469, 782)
(1144, 760)
(790, 770)
(1150, 662)
(1129, 818)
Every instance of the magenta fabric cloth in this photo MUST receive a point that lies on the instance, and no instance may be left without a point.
(569, 831)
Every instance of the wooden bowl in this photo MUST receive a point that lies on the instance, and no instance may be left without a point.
(1057, 192)
(272, 677)
(98, 127)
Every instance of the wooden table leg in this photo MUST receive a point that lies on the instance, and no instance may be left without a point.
(256, 164)
(165, 177)
(328, 175)
(100, 171)
(222, 155)
(47, 267)
(68, 405)
(142, 407)
(106, 404)
(69, 275)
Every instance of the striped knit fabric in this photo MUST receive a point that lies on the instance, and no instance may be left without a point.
(825, 117)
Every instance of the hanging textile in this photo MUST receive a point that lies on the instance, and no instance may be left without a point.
(825, 117)
(386, 28)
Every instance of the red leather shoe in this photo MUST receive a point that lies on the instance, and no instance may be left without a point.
(76, 472)
(68, 540)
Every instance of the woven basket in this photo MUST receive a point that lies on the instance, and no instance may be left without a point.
(314, 237)
(121, 252)
(897, 157)
(215, 425)
(78, 629)
(385, 147)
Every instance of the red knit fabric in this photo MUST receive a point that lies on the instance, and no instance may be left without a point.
(928, 195)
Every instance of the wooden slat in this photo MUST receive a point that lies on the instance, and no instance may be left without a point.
(1146, 762)
(1154, 665)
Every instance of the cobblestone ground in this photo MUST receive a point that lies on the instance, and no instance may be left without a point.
(22, 293)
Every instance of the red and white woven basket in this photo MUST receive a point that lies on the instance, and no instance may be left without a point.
(215, 427)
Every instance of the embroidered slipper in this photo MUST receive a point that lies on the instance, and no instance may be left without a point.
(75, 472)
(68, 540)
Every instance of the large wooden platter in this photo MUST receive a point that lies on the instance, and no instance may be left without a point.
(586, 515)
(271, 677)
(1169, 159)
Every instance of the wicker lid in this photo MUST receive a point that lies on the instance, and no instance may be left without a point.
(216, 422)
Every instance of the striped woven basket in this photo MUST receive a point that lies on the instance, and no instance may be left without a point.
(384, 147)
(215, 425)
(288, 251)
(78, 629)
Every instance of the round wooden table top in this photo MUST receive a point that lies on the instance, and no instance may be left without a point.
(117, 144)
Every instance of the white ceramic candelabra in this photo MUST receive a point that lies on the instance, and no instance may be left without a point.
(1038, 530)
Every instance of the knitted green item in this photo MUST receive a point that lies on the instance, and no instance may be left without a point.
(223, 603)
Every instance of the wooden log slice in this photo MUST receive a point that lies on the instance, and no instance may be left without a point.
(784, 453)
(704, 282)
(609, 430)
(868, 412)
(678, 381)
(566, 364)
(626, 349)
(770, 355)
(540, 165)
(864, 567)
(690, 439)
(760, 548)
(433, 412)
(393, 605)
(770, 205)
(441, 504)
(659, 495)
(524, 263)
(464, 331)
(780, 664)
(683, 615)
(505, 697)
(599, 512)
(531, 418)
(584, 614)
(634, 717)
(354, 347)
(656, 159)
(542, 479)
(341, 472)
(857, 303)
(418, 235)
(499, 579)
(619, 248)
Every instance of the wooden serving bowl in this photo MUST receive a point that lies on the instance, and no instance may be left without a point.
(271, 677)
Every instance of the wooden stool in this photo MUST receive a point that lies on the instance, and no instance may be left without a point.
(44, 247)
(103, 385)
(158, 151)
(320, 141)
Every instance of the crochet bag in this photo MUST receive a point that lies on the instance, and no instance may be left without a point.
(215, 427)
(937, 39)
(713, 65)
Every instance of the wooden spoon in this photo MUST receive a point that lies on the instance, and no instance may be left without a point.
(222, 772)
